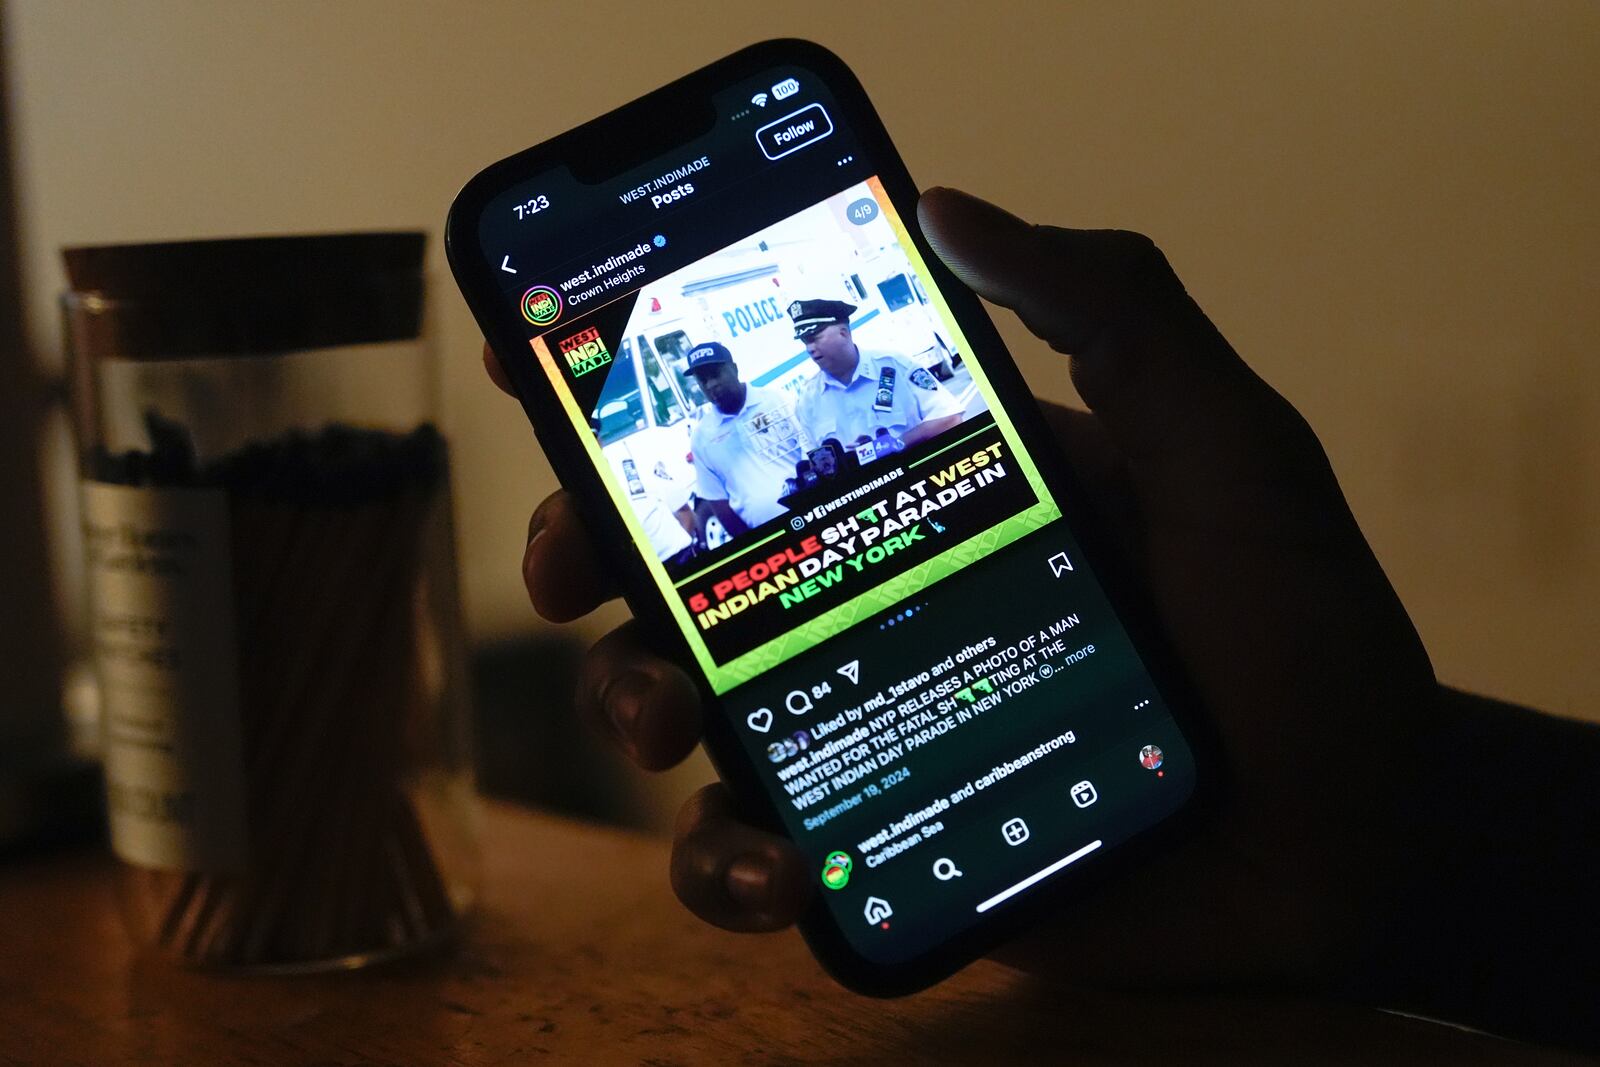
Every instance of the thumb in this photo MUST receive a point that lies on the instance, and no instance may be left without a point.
(1168, 388)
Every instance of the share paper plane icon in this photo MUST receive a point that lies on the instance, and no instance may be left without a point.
(852, 671)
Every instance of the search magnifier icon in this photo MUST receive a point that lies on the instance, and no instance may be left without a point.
(944, 870)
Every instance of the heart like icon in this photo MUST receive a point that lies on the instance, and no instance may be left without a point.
(760, 720)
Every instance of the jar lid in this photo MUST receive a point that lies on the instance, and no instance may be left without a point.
(250, 295)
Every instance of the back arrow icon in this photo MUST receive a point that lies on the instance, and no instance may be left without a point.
(505, 265)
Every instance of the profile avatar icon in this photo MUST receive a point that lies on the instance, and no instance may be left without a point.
(1150, 757)
(792, 745)
(836, 870)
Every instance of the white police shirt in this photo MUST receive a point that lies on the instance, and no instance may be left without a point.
(745, 458)
(848, 411)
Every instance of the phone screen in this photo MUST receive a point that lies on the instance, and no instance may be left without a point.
(859, 548)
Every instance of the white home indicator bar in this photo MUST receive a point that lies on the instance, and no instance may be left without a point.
(1038, 876)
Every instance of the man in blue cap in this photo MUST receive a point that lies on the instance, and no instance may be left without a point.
(858, 392)
(746, 444)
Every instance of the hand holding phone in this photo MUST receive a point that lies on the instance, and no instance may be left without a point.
(699, 304)
(988, 697)
(1223, 498)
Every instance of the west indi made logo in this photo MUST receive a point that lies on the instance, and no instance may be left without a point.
(541, 305)
(585, 352)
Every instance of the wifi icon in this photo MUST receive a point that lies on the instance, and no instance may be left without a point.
(759, 100)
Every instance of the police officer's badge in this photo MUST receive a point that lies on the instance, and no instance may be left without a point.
(794, 310)
(923, 380)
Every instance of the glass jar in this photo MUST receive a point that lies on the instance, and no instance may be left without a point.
(267, 536)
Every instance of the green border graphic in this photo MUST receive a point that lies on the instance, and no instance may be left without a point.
(807, 635)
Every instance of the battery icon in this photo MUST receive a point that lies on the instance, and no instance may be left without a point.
(786, 88)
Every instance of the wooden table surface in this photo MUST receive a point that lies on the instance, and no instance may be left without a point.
(580, 954)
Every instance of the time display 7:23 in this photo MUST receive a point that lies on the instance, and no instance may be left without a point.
(531, 207)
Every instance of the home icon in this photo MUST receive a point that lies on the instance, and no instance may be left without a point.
(877, 910)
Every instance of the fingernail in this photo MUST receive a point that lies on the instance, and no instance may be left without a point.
(749, 881)
(537, 522)
(621, 702)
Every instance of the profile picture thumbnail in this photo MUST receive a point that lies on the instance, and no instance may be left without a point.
(1150, 757)
(792, 745)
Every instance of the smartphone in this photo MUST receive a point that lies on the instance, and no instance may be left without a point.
(927, 672)
(630, 475)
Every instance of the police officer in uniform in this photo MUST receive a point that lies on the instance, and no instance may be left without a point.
(859, 391)
(746, 444)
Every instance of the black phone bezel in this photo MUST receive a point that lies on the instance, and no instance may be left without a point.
(679, 108)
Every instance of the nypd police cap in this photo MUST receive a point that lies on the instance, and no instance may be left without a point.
(809, 316)
(706, 354)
